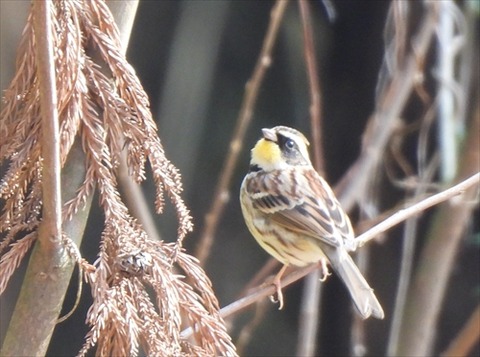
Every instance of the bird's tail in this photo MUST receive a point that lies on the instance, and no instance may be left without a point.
(362, 294)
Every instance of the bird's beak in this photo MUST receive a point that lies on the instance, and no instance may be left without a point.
(269, 134)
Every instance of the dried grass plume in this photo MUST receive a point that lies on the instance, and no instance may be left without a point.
(102, 104)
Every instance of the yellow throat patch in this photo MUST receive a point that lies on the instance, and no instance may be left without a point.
(266, 154)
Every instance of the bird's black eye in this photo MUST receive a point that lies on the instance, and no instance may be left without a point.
(289, 144)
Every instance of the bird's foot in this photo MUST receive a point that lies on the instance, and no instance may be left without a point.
(326, 273)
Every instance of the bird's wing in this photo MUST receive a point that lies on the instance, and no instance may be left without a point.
(302, 202)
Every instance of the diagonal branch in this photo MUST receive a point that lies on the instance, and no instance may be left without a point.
(417, 208)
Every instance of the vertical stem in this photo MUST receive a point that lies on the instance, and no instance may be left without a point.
(446, 101)
(49, 269)
(314, 84)
(51, 227)
(309, 311)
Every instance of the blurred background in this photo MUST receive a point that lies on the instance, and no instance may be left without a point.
(194, 59)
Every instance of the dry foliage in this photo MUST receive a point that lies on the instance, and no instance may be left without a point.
(140, 300)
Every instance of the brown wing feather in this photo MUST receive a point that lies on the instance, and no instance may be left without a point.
(303, 202)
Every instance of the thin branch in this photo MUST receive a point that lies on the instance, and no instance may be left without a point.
(417, 208)
(221, 195)
(51, 228)
(260, 293)
(265, 291)
(314, 86)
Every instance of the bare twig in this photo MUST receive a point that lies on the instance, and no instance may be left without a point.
(221, 195)
(417, 208)
(265, 291)
(314, 85)
(251, 93)
(259, 293)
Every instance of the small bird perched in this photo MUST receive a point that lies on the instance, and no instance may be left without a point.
(294, 215)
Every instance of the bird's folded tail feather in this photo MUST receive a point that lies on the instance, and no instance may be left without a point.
(362, 294)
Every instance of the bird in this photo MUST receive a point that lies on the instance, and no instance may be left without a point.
(293, 214)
